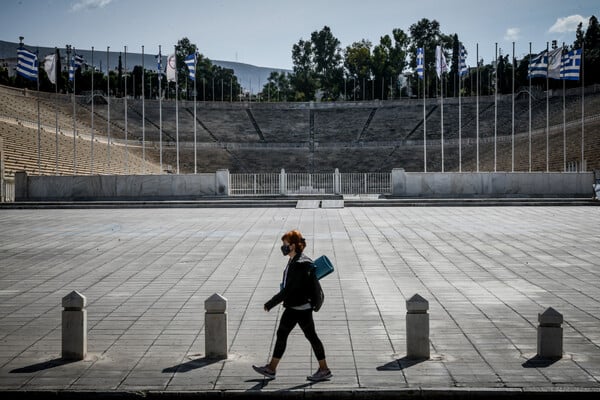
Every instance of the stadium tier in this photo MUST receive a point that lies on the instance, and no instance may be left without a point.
(265, 137)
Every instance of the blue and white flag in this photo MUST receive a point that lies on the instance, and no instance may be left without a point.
(27, 65)
(76, 62)
(159, 63)
(420, 59)
(462, 62)
(538, 66)
(190, 61)
(571, 65)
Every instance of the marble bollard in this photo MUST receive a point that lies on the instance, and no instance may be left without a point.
(215, 327)
(74, 326)
(550, 334)
(417, 328)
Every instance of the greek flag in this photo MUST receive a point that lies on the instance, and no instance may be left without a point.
(571, 64)
(76, 62)
(420, 59)
(27, 65)
(538, 67)
(462, 62)
(159, 63)
(190, 61)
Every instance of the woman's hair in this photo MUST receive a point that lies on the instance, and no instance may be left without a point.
(295, 237)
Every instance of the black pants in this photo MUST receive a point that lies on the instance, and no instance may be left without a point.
(304, 318)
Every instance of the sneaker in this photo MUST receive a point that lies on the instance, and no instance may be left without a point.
(320, 375)
(265, 371)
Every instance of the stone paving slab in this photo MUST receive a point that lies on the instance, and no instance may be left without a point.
(486, 272)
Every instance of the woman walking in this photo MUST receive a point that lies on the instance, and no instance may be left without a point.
(295, 295)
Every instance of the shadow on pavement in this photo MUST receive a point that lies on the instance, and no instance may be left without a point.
(260, 383)
(400, 364)
(539, 362)
(57, 362)
(191, 365)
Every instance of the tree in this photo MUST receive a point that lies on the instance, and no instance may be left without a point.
(357, 63)
(327, 61)
(303, 78)
(278, 87)
(389, 60)
(592, 51)
(427, 34)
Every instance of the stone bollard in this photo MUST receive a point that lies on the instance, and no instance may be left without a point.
(215, 327)
(74, 326)
(549, 334)
(417, 328)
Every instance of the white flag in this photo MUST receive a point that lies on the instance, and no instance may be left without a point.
(554, 63)
(50, 67)
(440, 61)
(171, 70)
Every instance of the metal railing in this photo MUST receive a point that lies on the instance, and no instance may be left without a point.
(7, 190)
(307, 183)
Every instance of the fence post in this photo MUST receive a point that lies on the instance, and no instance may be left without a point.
(417, 328)
(549, 334)
(282, 185)
(74, 326)
(215, 327)
(223, 187)
(336, 182)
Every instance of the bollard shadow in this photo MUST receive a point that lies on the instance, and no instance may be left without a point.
(400, 364)
(539, 362)
(191, 365)
(57, 362)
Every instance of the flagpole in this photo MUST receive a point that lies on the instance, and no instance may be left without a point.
(496, 114)
(529, 106)
(459, 108)
(160, 109)
(74, 116)
(125, 106)
(143, 117)
(564, 112)
(177, 108)
(513, 109)
(547, 108)
(477, 119)
(56, 71)
(39, 138)
(442, 116)
(92, 145)
(195, 150)
(424, 115)
(108, 105)
(582, 105)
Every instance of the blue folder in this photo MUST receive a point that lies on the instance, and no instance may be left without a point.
(323, 267)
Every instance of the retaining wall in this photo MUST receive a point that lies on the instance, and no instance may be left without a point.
(491, 184)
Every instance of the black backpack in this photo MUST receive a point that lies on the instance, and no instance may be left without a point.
(317, 297)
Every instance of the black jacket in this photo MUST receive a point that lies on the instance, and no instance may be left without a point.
(297, 288)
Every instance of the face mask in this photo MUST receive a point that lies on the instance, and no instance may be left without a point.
(285, 249)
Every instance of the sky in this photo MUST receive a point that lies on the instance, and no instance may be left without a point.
(262, 32)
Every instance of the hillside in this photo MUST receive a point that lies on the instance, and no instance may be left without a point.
(248, 75)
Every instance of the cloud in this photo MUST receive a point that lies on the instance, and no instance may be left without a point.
(89, 4)
(567, 24)
(512, 34)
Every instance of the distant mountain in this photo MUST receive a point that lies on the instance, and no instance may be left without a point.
(251, 77)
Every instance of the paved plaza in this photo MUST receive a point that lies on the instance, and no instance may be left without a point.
(486, 271)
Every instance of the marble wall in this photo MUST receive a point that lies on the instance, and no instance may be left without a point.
(492, 184)
(121, 187)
